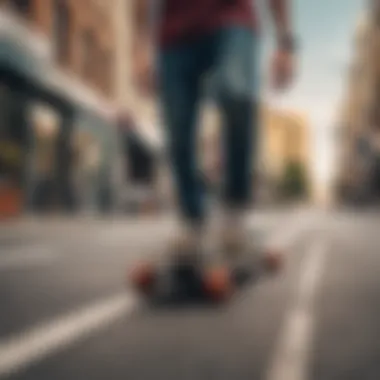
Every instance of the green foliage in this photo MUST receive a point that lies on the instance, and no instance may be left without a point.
(293, 183)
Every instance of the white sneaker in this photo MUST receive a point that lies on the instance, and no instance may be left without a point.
(187, 243)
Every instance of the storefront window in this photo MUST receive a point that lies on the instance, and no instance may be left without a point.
(10, 139)
(45, 126)
(12, 151)
(87, 168)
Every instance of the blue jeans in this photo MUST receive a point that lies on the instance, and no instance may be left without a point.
(228, 61)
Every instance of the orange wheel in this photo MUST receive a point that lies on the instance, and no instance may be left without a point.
(143, 277)
(218, 284)
(273, 260)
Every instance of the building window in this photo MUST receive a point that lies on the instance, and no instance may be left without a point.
(106, 73)
(61, 30)
(103, 69)
(88, 55)
(22, 7)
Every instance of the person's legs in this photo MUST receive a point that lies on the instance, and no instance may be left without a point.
(236, 81)
(179, 74)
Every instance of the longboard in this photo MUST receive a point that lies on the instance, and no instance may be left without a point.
(213, 277)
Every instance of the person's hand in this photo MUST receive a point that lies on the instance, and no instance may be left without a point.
(143, 69)
(282, 69)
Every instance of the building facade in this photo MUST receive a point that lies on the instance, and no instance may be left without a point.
(57, 79)
(78, 37)
(359, 119)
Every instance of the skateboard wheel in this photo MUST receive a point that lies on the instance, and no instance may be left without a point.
(273, 261)
(143, 277)
(218, 284)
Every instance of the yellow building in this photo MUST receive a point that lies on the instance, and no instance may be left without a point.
(285, 139)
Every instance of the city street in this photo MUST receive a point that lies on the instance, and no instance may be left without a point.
(67, 314)
(85, 132)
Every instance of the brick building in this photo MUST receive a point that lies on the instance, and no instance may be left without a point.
(80, 33)
(57, 75)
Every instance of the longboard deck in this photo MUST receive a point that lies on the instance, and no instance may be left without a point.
(215, 278)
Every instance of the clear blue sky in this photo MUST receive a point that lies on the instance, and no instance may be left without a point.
(325, 29)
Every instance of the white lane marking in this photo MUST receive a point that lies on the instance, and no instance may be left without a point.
(21, 257)
(34, 345)
(292, 353)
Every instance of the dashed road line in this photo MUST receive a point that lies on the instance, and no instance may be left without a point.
(292, 353)
(33, 345)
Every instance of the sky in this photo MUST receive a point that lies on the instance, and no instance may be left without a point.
(325, 30)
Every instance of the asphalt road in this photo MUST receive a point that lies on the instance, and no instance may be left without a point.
(66, 313)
